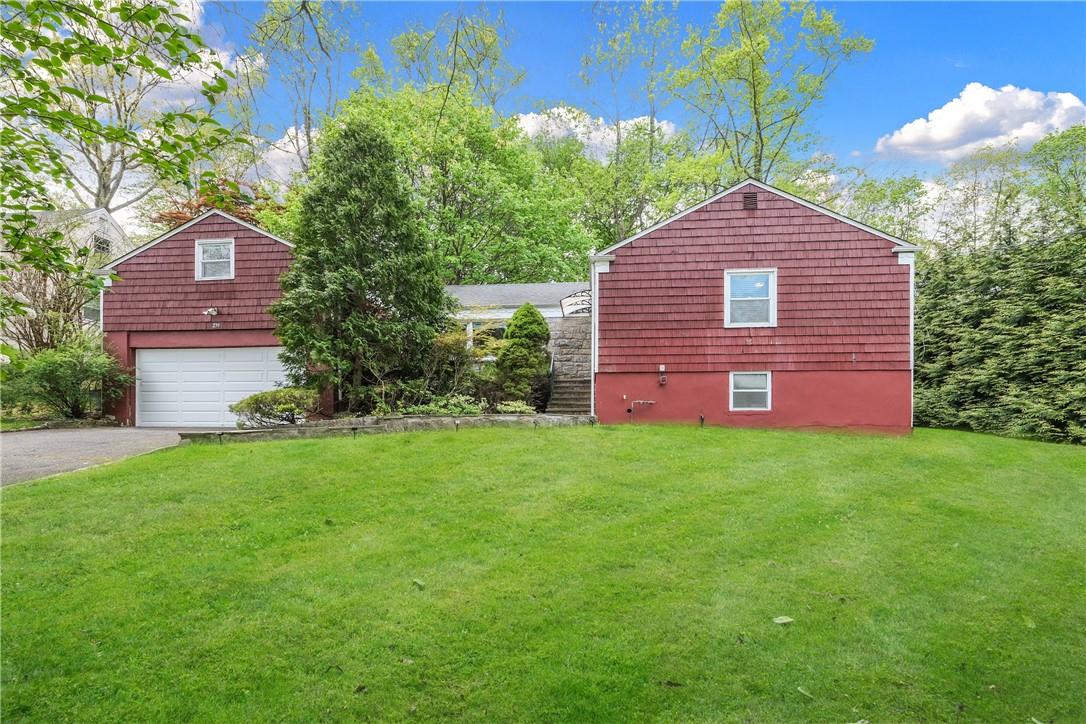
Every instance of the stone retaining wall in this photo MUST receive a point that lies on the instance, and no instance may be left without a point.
(374, 425)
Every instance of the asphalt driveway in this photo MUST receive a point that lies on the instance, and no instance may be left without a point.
(35, 454)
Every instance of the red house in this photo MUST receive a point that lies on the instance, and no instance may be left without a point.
(755, 308)
(189, 314)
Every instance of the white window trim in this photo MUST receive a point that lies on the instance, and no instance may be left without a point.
(728, 298)
(199, 266)
(768, 391)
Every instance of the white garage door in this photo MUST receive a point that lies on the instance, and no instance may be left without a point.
(195, 387)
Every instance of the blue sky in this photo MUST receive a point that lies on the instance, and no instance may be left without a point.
(925, 55)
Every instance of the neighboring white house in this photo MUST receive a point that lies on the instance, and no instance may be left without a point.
(97, 230)
(489, 306)
(93, 229)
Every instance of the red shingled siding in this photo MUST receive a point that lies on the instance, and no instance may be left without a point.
(842, 296)
(158, 291)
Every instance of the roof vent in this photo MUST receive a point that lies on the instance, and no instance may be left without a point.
(750, 201)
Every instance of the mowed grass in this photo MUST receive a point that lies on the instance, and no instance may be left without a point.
(607, 574)
(18, 423)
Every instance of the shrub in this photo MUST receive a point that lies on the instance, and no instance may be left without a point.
(449, 366)
(515, 407)
(283, 406)
(523, 363)
(12, 362)
(448, 405)
(72, 379)
(486, 385)
(529, 325)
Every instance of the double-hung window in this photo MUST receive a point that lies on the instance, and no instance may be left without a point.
(214, 259)
(750, 298)
(750, 391)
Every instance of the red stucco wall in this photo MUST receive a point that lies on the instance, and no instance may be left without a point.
(872, 400)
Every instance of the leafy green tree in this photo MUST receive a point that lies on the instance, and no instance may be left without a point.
(363, 299)
(302, 43)
(523, 363)
(638, 180)
(898, 206)
(491, 209)
(462, 51)
(754, 77)
(981, 196)
(1058, 163)
(42, 113)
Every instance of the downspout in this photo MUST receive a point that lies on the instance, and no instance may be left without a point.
(599, 263)
(909, 258)
(595, 334)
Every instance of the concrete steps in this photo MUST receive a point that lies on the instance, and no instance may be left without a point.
(570, 397)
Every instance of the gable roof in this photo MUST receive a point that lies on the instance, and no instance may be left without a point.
(513, 295)
(900, 245)
(177, 229)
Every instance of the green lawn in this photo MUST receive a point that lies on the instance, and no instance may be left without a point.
(563, 574)
(18, 423)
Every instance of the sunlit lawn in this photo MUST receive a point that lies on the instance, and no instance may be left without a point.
(563, 574)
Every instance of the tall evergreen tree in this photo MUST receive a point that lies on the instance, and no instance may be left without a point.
(363, 299)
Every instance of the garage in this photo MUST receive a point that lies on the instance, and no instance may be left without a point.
(195, 387)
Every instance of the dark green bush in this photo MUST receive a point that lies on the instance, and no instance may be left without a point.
(529, 325)
(70, 380)
(283, 406)
(523, 364)
(1001, 339)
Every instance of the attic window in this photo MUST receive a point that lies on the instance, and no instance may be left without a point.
(214, 259)
(101, 245)
(750, 200)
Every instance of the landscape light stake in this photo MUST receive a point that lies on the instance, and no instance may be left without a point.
(220, 437)
(701, 419)
(354, 432)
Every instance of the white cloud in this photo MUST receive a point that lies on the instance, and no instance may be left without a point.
(194, 11)
(982, 116)
(597, 134)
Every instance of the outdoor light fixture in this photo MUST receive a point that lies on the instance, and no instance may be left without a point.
(663, 375)
(212, 311)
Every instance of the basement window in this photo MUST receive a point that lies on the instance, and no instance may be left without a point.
(750, 391)
(750, 298)
(214, 259)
